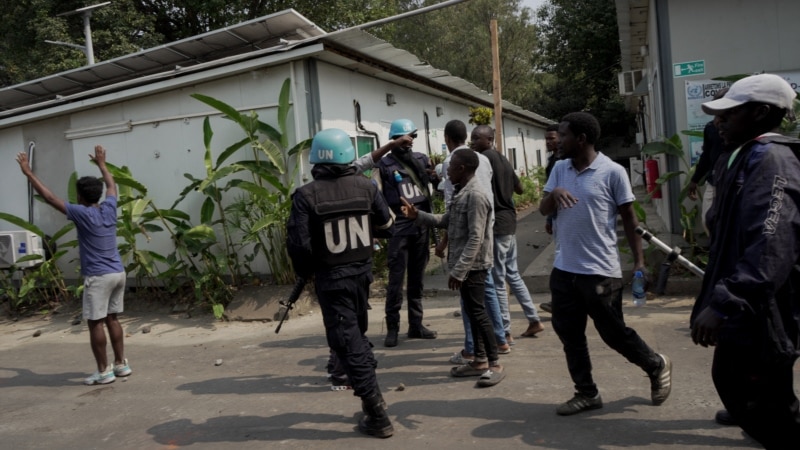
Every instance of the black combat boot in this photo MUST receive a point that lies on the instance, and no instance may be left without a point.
(391, 334)
(375, 421)
(420, 332)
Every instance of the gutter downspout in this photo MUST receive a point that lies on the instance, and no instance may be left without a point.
(360, 126)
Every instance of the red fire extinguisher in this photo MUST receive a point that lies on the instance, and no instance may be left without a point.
(651, 175)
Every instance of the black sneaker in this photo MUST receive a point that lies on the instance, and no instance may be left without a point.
(579, 403)
(661, 382)
(546, 307)
(420, 332)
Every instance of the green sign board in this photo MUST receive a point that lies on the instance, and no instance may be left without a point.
(686, 69)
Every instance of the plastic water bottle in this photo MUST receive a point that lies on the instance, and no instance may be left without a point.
(637, 287)
(397, 177)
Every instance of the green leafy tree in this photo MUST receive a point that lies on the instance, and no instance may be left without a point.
(580, 60)
(117, 29)
(457, 39)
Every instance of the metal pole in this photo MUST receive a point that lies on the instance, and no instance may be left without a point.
(87, 32)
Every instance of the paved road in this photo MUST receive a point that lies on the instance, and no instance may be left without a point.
(271, 391)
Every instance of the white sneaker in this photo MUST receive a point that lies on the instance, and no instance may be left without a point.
(101, 377)
(122, 370)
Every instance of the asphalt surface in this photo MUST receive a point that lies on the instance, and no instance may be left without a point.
(205, 384)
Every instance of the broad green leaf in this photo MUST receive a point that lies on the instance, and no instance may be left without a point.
(22, 223)
(138, 207)
(275, 155)
(219, 310)
(264, 222)
(33, 257)
(251, 187)
(207, 211)
(64, 230)
(667, 176)
(220, 106)
(693, 133)
(218, 175)
(231, 150)
(207, 134)
(270, 131)
(641, 214)
(300, 147)
(72, 188)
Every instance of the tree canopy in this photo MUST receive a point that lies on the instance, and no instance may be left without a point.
(562, 58)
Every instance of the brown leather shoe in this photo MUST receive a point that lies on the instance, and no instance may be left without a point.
(533, 328)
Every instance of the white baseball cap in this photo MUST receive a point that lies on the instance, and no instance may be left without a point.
(763, 88)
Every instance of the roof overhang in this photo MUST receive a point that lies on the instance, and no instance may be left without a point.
(632, 17)
(270, 40)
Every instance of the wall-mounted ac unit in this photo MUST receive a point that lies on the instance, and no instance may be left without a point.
(16, 244)
(628, 81)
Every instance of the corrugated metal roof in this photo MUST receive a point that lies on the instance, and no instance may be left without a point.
(271, 34)
(274, 30)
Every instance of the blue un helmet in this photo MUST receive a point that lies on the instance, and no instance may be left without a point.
(332, 146)
(401, 127)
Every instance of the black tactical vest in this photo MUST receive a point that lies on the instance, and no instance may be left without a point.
(341, 223)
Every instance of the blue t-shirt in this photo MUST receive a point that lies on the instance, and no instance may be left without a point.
(97, 237)
(587, 232)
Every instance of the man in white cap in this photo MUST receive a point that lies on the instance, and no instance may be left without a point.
(749, 307)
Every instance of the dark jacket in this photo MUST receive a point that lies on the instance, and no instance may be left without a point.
(752, 276)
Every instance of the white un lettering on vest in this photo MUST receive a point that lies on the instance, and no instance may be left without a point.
(347, 233)
(410, 191)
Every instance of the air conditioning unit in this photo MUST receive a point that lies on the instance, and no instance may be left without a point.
(628, 80)
(16, 244)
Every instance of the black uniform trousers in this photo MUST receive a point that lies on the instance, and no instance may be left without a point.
(406, 254)
(344, 311)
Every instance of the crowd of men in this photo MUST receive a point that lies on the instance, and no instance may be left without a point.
(748, 307)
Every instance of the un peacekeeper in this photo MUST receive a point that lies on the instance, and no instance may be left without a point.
(405, 173)
(330, 231)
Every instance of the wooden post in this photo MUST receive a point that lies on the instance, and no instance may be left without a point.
(498, 97)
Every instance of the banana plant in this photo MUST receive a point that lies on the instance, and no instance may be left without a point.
(264, 186)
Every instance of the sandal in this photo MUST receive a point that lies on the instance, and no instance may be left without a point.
(466, 370)
(492, 376)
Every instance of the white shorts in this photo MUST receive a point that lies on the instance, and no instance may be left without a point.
(103, 295)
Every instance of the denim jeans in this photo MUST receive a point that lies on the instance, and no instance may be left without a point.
(505, 269)
(575, 299)
(493, 310)
(472, 297)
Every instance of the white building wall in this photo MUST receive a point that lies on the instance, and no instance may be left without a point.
(341, 87)
(165, 138)
(732, 37)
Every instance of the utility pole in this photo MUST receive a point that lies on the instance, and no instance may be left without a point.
(87, 49)
(498, 97)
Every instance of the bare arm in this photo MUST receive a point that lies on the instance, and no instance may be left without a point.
(99, 158)
(41, 189)
(379, 153)
(630, 223)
